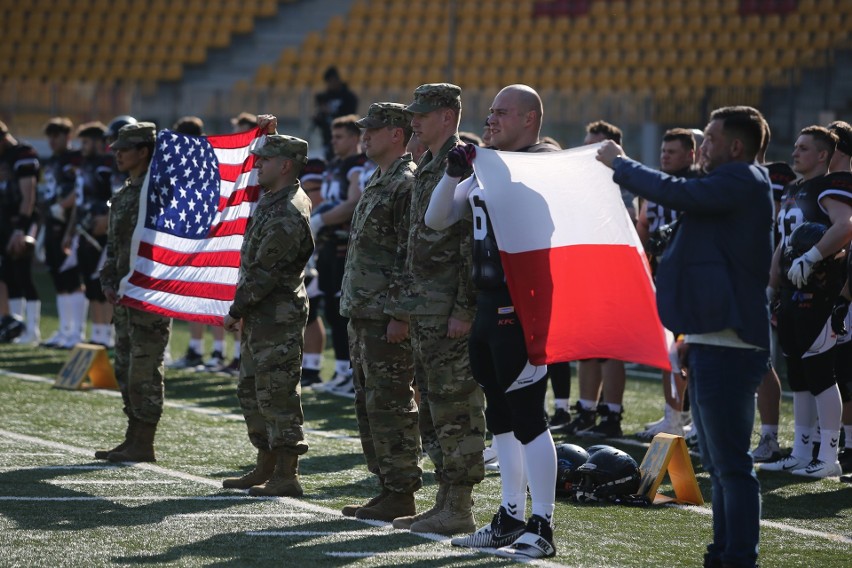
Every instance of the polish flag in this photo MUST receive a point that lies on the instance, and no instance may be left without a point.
(575, 267)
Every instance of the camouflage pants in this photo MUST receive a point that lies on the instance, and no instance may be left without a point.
(140, 344)
(452, 418)
(384, 405)
(269, 391)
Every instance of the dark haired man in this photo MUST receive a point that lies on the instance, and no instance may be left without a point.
(711, 285)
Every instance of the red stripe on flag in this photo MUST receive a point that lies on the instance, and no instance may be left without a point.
(250, 193)
(208, 319)
(221, 292)
(569, 311)
(228, 259)
(233, 141)
(230, 172)
(229, 228)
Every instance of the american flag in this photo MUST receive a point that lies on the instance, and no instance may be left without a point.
(194, 206)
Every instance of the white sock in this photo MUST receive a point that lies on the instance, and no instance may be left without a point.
(847, 429)
(341, 366)
(237, 350)
(34, 318)
(805, 417)
(771, 429)
(613, 407)
(16, 307)
(95, 336)
(540, 459)
(219, 345)
(62, 308)
(830, 408)
(312, 361)
(561, 404)
(513, 477)
(195, 345)
(588, 404)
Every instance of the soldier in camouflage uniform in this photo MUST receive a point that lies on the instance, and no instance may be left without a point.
(271, 305)
(440, 299)
(140, 337)
(379, 345)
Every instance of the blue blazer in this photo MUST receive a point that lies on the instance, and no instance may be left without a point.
(714, 273)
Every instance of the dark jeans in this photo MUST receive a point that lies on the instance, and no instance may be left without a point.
(722, 385)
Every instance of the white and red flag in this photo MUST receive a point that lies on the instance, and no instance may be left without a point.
(575, 267)
(197, 198)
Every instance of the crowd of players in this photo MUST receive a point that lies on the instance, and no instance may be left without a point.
(55, 210)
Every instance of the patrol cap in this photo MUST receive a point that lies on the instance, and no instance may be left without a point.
(386, 114)
(131, 135)
(283, 145)
(57, 125)
(433, 96)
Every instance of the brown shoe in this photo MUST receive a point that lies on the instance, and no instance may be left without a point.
(284, 481)
(405, 523)
(128, 437)
(141, 448)
(259, 475)
(456, 516)
(350, 510)
(393, 506)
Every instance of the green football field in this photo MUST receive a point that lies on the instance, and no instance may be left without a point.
(60, 507)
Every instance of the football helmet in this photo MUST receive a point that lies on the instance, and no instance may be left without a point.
(112, 130)
(609, 473)
(569, 457)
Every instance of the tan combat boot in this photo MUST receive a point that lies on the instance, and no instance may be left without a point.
(141, 448)
(285, 479)
(260, 474)
(350, 510)
(456, 516)
(392, 506)
(405, 523)
(128, 437)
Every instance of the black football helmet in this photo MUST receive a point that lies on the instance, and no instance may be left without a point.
(609, 473)
(569, 457)
(802, 239)
(112, 130)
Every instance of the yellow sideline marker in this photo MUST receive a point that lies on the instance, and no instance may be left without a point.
(88, 366)
(668, 453)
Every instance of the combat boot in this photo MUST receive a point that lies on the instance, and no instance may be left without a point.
(141, 448)
(392, 506)
(285, 479)
(456, 516)
(351, 510)
(440, 500)
(259, 475)
(128, 437)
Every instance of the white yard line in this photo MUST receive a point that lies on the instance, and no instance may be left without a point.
(312, 533)
(290, 515)
(394, 554)
(112, 481)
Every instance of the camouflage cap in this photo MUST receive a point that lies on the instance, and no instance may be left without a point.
(131, 135)
(433, 96)
(386, 114)
(283, 145)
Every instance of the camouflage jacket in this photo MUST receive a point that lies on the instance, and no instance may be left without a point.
(438, 263)
(375, 260)
(276, 248)
(123, 214)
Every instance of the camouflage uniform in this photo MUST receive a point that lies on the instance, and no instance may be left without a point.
(438, 268)
(383, 372)
(272, 302)
(140, 337)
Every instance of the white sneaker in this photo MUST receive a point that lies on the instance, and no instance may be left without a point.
(819, 469)
(664, 427)
(337, 381)
(503, 530)
(56, 340)
(28, 338)
(346, 390)
(767, 449)
(787, 463)
(536, 542)
(489, 457)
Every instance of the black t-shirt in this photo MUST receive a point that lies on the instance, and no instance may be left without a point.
(16, 162)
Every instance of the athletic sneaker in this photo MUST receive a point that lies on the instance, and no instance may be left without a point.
(338, 380)
(787, 463)
(310, 378)
(215, 361)
(503, 530)
(190, 360)
(12, 327)
(584, 418)
(232, 368)
(536, 542)
(819, 469)
(560, 419)
(489, 458)
(767, 449)
(608, 427)
(346, 390)
(665, 426)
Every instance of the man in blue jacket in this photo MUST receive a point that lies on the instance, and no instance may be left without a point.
(711, 285)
